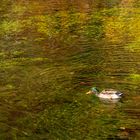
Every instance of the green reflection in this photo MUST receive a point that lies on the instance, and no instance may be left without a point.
(134, 46)
(8, 27)
(135, 78)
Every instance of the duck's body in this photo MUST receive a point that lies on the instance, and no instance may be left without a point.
(106, 94)
(109, 94)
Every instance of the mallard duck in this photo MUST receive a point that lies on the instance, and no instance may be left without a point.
(106, 94)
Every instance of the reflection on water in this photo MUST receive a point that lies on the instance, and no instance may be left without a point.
(52, 52)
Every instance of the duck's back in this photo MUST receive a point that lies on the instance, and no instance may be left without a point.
(109, 91)
(109, 94)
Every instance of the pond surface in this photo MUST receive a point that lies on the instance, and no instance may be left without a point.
(52, 53)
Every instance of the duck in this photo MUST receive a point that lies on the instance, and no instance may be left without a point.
(110, 94)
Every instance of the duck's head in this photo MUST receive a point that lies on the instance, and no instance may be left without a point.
(93, 90)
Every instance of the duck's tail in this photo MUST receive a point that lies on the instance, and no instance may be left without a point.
(119, 93)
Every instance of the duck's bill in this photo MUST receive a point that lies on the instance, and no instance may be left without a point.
(89, 92)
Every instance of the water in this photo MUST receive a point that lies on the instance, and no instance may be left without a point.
(52, 53)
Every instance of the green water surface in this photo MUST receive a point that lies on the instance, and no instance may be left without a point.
(52, 52)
